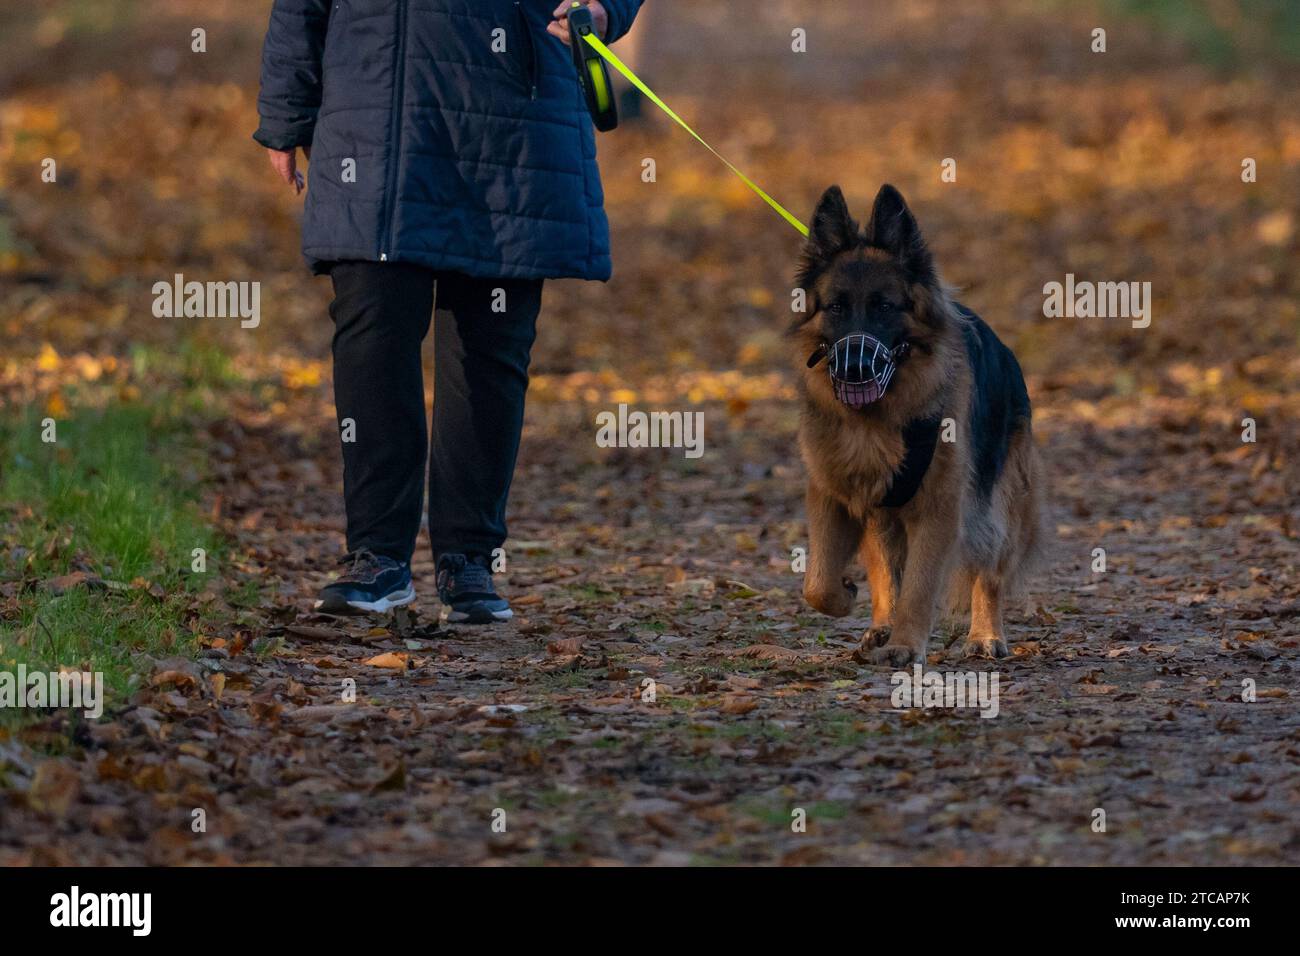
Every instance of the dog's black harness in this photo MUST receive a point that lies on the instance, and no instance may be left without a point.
(920, 435)
(919, 439)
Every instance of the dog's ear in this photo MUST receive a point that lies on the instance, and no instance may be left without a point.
(833, 230)
(894, 229)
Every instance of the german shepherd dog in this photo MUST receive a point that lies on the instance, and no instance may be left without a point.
(917, 444)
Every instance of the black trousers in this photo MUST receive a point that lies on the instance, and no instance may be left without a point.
(483, 334)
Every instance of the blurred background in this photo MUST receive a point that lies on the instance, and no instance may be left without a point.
(1122, 165)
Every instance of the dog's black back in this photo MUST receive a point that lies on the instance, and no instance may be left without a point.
(999, 400)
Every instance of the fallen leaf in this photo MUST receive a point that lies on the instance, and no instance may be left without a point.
(55, 788)
(316, 633)
(390, 660)
(66, 582)
(175, 678)
(738, 704)
(769, 652)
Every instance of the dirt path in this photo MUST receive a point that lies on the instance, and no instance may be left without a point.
(1124, 691)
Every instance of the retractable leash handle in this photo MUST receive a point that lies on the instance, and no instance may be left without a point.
(593, 75)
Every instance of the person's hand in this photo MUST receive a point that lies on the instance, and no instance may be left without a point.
(559, 27)
(285, 164)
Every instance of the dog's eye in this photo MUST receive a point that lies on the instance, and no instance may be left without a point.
(835, 309)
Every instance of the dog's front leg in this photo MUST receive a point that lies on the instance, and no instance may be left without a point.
(931, 555)
(833, 536)
(876, 556)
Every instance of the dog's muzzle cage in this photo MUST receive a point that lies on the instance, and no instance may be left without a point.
(862, 367)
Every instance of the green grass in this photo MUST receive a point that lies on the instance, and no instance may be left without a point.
(557, 682)
(117, 496)
(747, 730)
(592, 593)
(839, 729)
(780, 816)
(1229, 35)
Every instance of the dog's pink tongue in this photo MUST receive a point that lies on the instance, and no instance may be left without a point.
(859, 396)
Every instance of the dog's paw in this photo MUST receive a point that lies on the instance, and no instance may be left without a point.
(877, 636)
(893, 655)
(991, 647)
(838, 602)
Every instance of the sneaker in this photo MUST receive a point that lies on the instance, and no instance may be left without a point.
(371, 582)
(465, 586)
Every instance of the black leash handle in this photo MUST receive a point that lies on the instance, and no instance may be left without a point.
(593, 74)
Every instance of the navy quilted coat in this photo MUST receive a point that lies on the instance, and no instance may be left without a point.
(447, 133)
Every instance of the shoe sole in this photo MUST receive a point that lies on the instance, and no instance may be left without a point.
(387, 603)
(479, 616)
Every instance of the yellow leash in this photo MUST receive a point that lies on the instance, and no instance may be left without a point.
(635, 80)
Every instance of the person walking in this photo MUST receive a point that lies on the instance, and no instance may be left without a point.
(452, 171)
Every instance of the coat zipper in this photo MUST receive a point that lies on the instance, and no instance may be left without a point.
(532, 50)
(395, 130)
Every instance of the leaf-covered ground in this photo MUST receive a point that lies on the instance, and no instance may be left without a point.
(1125, 689)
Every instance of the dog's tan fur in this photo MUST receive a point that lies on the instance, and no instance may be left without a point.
(944, 539)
